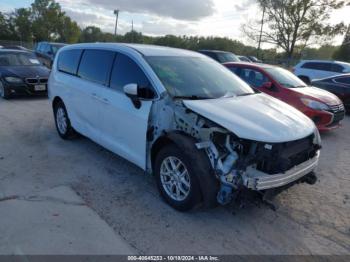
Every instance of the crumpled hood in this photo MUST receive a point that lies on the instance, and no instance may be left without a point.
(26, 71)
(320, 94)
(256, 117)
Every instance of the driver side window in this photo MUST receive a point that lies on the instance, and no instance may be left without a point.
(126, 71)
(253, 77)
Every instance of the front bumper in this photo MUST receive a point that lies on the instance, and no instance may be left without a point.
(327, 120)
(257, 180)
(24, 89)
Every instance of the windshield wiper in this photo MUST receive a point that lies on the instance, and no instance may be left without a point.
(193, 97)
(246, 94)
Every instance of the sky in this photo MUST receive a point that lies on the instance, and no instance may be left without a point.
(222, 18)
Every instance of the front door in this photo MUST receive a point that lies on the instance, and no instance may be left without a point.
(125, 126)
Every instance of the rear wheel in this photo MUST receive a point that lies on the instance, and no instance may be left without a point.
(4, 92)
(63, 125)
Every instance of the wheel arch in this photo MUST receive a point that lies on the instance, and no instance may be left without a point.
(56, 100)
(166, 139)
(209, 185)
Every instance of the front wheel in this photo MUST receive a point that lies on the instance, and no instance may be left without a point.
(63, 125)
(176, 182)
(184, 177)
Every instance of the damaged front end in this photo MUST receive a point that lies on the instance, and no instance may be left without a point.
(238, 162)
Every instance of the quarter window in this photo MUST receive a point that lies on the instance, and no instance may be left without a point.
(126, 71)
(96, 65)
(68, 61)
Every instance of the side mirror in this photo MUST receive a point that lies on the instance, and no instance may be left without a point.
(267, 85)
(131, 90)
(137, 93)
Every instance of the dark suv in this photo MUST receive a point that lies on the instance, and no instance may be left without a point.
(46, 52)
(220, 56)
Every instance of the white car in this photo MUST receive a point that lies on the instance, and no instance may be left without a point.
(309, 70)
(183, 117)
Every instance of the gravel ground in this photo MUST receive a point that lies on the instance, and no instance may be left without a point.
(310, 219)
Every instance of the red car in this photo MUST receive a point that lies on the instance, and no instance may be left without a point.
(324, 108)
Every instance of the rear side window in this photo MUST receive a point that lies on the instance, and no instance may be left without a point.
(47, 48)
(318, 66)
(337, 68)
(126, 71)
(41, 47)
(95, 65)
(68, 61)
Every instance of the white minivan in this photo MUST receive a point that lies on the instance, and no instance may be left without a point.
(310, 70)
(179, 115)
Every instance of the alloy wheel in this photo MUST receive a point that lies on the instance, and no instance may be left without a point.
(61, 120)
(175, 178)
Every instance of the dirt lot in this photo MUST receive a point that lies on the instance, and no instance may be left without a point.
(310, 219)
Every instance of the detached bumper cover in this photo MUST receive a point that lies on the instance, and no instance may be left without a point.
(257, 180)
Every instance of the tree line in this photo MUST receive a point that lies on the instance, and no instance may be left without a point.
(45, 20)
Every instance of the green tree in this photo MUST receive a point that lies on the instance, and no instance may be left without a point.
(91, 34)
(4, 27)
(22, 24)
(69, 31)
(343, 53)
(47, 18)
(292, 23)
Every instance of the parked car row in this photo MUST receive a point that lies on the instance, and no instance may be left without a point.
(203, 130)
(324, 108)
(227, 57)
(47, 51)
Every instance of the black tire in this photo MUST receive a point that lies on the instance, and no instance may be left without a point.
(204, 186)
(305, 79)
(68, 132)
(4, 93)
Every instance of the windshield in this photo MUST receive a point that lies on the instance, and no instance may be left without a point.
(227, 57)
(197, 78)
(285, 78)
(18, 59)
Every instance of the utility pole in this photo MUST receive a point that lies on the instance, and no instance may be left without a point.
(132, 31)
(116, 12)
(261, 31)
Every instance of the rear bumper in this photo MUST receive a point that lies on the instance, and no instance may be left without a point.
(257, 180)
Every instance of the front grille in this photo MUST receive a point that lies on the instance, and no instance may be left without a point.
(337, 108)
(36, 81)
(284, 156)
(338, 114)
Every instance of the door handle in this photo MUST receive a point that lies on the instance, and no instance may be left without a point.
(105, 101)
